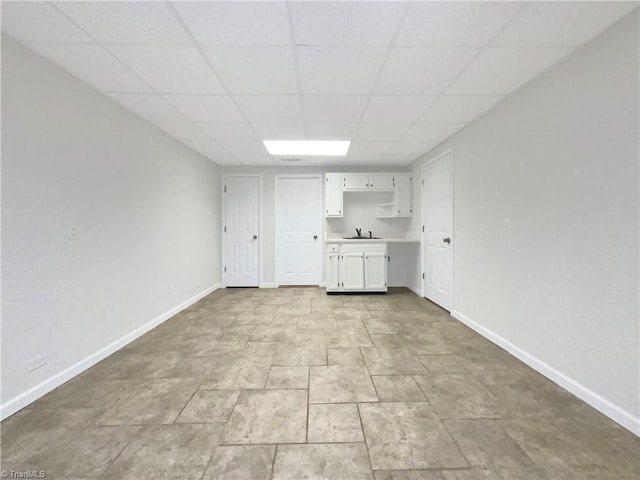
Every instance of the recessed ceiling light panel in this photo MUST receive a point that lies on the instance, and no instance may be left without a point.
(328, 148)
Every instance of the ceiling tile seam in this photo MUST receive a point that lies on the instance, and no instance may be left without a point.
(213, 70)
(294, 52)
(481, 50)
(387, 55)
(101, 46)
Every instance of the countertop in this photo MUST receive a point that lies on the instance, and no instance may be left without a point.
(374, 240)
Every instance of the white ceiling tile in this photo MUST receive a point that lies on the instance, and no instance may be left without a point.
(208, 148)
(331, 131)
(423, 70)
(396, 108)
(255, 70)
(561, 24)
(280, 131)
(333, 108)
(321, 162)
(128, 22)
(244, 147)
(369, 158)
(410, 149)
(381, 131)
(271, 108)
(33, 22)
(345, 23)
(515, 66)
(373, 161)
(401, 159)
(157, 111)
(454, 23)
(431, 132)
(229, 130)
(92, 64)
(250, 159)
(337, 70)
(169, 68)
(369, 148)
(206, 108)
(459, 108)
(237, 23)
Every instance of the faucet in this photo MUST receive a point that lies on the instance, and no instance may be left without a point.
(359, 231)
(370, 234)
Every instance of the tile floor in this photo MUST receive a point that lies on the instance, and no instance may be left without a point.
(294, 384)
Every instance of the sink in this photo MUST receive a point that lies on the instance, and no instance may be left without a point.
(362, 238)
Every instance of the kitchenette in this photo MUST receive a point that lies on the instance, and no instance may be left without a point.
(368, 248)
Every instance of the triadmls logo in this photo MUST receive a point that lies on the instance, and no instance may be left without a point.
(24, 474)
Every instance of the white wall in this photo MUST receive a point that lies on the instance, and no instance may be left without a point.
(358, 212)
(144, 206)
(560, 158)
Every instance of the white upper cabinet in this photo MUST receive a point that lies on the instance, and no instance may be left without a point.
(333, 194)
(396, 203)
(402, 197)
(381, 182)
(363, 182)
(355, 182)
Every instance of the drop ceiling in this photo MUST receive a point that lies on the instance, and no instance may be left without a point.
(394, 78)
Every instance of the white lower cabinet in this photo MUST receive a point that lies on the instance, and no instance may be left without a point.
(357, 267)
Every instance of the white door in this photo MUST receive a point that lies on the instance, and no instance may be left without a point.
(298, 235)
(241, 231)
(437, 239)
(352, 269)
(375, 271)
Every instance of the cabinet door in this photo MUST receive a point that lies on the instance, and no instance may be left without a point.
(403, 197)
(333, 194)
(353, 182)
(352, 267)
(382, 182)
(333, 274)
(375, 271)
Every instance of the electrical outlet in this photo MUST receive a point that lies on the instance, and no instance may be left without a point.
(170, 287)
(73, 235)
(507, 224)
(37, 362)
(197, 284)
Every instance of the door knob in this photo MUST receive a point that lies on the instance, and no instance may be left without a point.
(255, 237)
(315, 237)
(446, 240)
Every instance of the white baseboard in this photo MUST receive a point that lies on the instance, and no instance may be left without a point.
(417, 291)
(614, 412)
(268, 285)
(22, 400)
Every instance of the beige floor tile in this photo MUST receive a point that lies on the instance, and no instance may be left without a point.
(268, 416)
(344, 356)
(388, 341)
(406, 436)
(238, 373)
(334, 423)
(392, 361)
(407, 475)
(397, 388)
(300, 355)
(288, 378)
(486, 445)
(246, 462)
(346, 461)
(459, 396)
(166, 451)
(341, 384)
(209, 406)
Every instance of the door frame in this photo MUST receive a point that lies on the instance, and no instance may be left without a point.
(319, 176)
(224, 221)
(423, 242)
